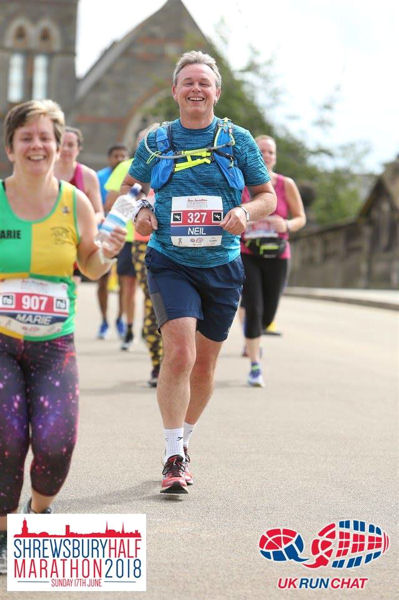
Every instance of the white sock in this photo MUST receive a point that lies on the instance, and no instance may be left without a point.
(187, 431)
(173, 442)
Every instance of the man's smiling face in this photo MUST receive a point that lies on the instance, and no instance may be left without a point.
(196, 92)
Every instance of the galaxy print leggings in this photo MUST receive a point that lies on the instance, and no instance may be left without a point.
(39, 397)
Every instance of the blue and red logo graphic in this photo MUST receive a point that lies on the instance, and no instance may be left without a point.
(341, 545)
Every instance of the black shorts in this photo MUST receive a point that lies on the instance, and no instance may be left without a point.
(124, 265)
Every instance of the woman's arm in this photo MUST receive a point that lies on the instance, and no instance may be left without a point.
(92, 262)
(297, 218)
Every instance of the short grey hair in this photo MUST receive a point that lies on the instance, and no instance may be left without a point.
(196, 57)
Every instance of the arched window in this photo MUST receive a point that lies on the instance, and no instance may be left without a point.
(16, 77)
(46, 41)
(40, 76)
(20, 34)
(31, 49)
(45, 35)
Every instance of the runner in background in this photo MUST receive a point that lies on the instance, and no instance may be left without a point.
(68, 169)
(125, 268)
(116, 154)
(82, 177)
(265, 252)
(53, 225)
(150, 332)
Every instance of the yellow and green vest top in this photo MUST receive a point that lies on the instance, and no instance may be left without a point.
(37, 291)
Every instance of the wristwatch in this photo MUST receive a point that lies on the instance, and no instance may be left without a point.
(246, 212)
(142, 203)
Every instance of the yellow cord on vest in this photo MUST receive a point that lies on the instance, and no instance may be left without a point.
(203, 155)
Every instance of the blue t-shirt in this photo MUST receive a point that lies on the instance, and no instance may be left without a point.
(103, 176)
(203, 179)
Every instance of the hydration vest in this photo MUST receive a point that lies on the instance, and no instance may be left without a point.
(220, 152)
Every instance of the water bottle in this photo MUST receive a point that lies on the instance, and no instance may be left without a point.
(121, 212)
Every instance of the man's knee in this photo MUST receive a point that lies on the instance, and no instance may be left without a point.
(179, 357)
(204, 368)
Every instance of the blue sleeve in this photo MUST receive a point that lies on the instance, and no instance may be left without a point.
(103, 176)
(249, 158)
(140, 168)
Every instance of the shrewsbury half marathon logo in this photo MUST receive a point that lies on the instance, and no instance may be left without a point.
(341, 545)
(76, 552)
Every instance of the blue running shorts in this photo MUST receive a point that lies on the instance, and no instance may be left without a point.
(210, 295)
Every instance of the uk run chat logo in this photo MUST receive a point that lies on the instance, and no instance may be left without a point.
(341, 545)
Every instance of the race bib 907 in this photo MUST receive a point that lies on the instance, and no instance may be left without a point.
(32, 307)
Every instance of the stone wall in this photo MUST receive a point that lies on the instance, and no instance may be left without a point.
(363, 253)
(328, 258)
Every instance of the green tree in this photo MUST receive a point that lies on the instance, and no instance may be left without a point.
(336, 179)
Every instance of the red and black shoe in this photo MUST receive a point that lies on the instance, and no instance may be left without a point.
(187, 475)
(174, 481)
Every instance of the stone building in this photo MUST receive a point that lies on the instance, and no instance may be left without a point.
(361, 253)
(113, 101)
(37, 54)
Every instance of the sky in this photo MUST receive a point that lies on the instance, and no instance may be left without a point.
(346, 49)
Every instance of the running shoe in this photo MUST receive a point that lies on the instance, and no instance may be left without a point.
(120, 327)
(103, 331)
(128, 341)
(3, 552)
(187, 475)
(276, 333)
(174, 481)
(271, 330)
(255, 377)
(27, 509)
(153, 380)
